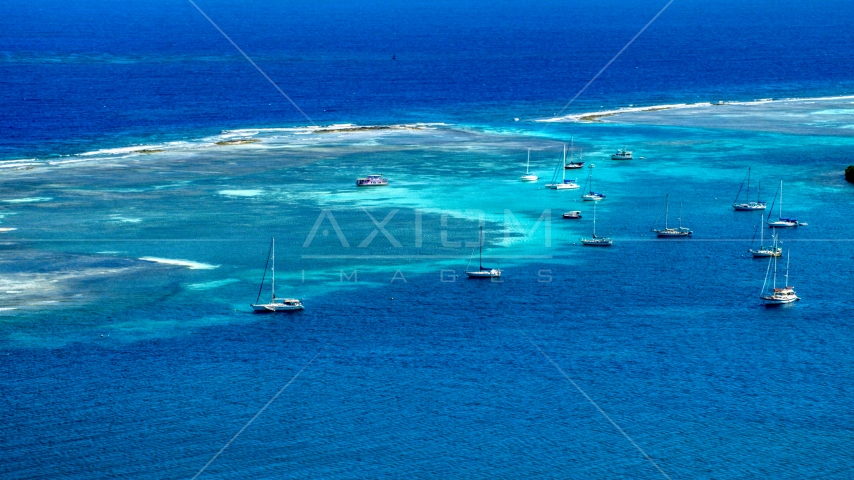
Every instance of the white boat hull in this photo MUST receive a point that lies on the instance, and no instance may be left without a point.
(529, 178)
(782, 224)
(597, 242)
(772, 300)
(748, 207)
(673, 234)
(276, 307)
(567, 186)
(765, 253)
(494, 273)
(592, 198)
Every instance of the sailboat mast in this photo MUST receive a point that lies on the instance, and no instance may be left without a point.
(781, 199)
(594, 220)
(480, 255)
(748, 186)
(775, 273)
(563, 177)
(273, 289)
(666, 209)
(528, 166)
(680, 215)
(788, 254)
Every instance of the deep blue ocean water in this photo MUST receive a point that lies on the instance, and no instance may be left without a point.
(115, 366)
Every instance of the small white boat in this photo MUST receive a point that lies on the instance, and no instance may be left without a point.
(482, 272)
(596, 241)
(672, 232)
(778, 296)
(528, 176)
(375, 180)
(622, 154)
(765, 251)
(591, 196)
(782, 222)
(747, 205)
(276, 304)
(574, 214)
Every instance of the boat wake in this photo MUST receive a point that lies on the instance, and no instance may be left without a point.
(181, 263)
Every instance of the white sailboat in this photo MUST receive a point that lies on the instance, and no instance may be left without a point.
(781, 222)
(276, 304)
(591, 196)
(482, 272)
(596, 241)
(670, 232)
(778, 296)
(765, 251)
(747, 205)
(564, 183)
(528, 176)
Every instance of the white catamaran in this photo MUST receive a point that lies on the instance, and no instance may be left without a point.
(669, 232)
(747, 205)
(276, 304)
(778, 296)
(482, 272)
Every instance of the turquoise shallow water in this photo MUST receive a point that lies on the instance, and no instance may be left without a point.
(131, 367)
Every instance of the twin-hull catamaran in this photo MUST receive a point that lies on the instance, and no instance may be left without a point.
(276, 304)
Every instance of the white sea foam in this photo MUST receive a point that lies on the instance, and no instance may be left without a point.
(212, 284)
(575, 117)
(241, 193)
(121, 219)
(22, 163)
(181, 263)
(28, 200)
